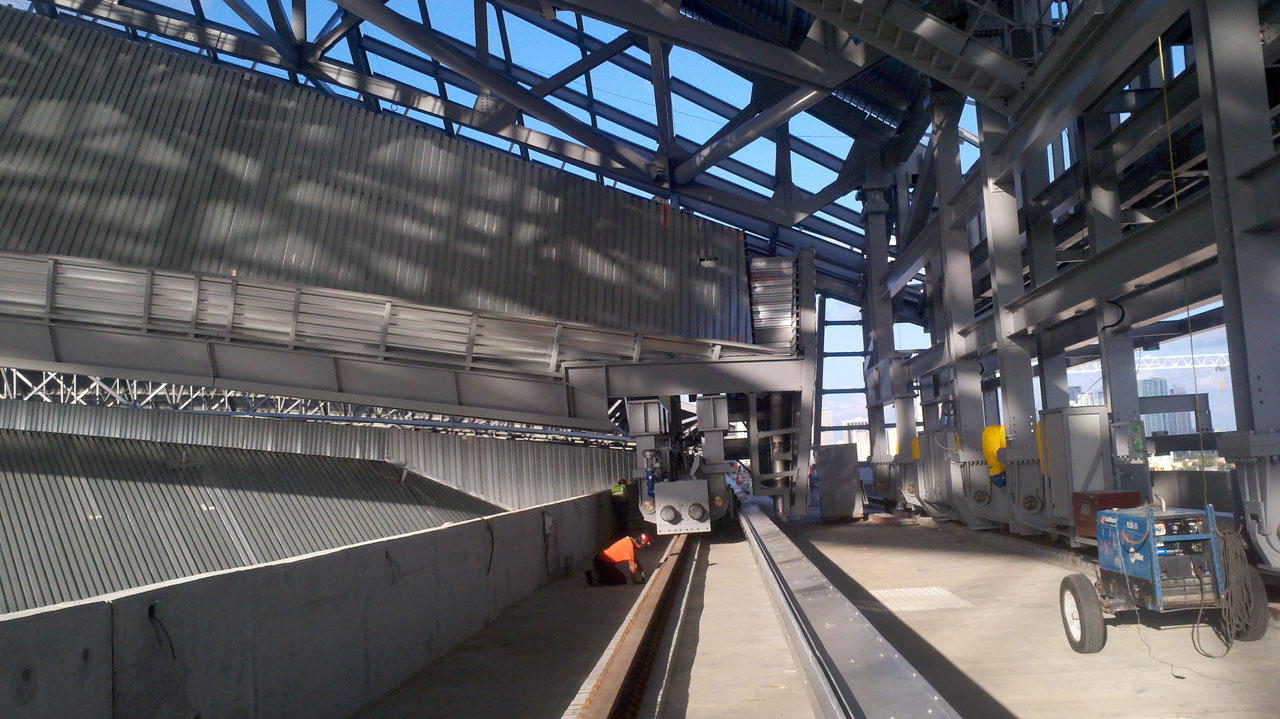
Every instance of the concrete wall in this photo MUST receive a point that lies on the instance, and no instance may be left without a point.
(317, 636)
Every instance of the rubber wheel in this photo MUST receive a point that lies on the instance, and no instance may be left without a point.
(1082, 614)
(1259, 617)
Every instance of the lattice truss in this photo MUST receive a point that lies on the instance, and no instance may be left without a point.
(95, 391)
(836, 94)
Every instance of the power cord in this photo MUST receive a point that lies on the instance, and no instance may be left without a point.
(396, 570)
(158, 627)
(493, 545)
(1237, 600)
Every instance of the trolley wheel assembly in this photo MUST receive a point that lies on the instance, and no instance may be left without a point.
(1082, 614)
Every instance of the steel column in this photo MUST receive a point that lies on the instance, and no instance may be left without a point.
(1102, 217)
(1237, 129)
(1233, 91)
(1043, 250)
(1005, 256)
(877, 314)
(957, 271)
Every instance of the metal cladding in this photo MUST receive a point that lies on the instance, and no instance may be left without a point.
(514, 474)
(182, 165)
(86, 516)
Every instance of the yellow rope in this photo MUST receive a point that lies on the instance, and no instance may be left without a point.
(1186, 291)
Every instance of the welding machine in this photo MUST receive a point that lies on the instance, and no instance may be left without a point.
(1160, 560)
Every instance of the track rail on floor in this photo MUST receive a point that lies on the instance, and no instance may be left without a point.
(852, 668)
(620, 683)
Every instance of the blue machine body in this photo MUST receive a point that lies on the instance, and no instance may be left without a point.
(1161, 560)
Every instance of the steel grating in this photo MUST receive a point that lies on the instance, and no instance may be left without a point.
(85, 516)
(914, 599)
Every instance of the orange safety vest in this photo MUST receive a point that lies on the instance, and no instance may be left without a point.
(623, 550)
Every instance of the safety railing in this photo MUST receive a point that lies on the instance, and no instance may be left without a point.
(76, 291)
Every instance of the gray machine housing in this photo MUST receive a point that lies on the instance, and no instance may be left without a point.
(840, 494)
(684, 498)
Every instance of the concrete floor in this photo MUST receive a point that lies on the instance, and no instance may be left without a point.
(530, 662)
(1007, 656)
(730, 660)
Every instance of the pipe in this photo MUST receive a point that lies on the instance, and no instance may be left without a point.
(777, 443)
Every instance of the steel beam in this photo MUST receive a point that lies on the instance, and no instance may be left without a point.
(437, 46)
(1180, 240)
(814, 64)
(709, 154)
(1107, 38)
(936, 48)
(264, 29)
(661, 80)
(676, 378)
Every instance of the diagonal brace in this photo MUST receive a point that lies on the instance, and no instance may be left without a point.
(438, 47)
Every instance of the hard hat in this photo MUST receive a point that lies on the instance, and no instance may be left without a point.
(645, 540)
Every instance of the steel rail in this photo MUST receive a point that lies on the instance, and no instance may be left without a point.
(852, 669)
(619, 688)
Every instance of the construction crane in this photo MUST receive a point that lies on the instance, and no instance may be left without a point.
(1155, 362)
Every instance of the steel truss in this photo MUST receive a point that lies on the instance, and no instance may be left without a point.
(1204, 361)
(1111, 192)
(94, 391)
(796, 61)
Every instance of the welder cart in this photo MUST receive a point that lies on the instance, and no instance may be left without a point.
(1159, 560)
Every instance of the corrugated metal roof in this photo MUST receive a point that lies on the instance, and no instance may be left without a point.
(184, 165)
(84, 516)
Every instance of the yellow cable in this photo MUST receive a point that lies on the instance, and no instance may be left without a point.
(1164, 91)
(1186, 292)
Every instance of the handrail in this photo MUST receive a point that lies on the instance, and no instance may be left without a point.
(69, 290)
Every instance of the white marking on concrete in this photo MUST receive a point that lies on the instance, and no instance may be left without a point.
(912, 599)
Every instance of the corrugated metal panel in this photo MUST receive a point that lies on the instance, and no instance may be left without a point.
(775, 314)
(85, 516)
(182, 165)
(514, 474)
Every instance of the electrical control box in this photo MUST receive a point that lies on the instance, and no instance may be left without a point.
(1160, 559)
(1075, 456)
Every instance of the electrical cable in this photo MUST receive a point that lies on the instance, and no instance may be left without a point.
(492, 546)
(396, 570)
(1118, 322)
(1237, 600)
(158, 626)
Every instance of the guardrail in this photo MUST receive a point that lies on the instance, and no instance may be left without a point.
(852, 668)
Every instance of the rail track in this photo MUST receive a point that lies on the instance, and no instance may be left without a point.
(852, 671)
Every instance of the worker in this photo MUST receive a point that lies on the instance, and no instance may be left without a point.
(605, 567)
(621, 507)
